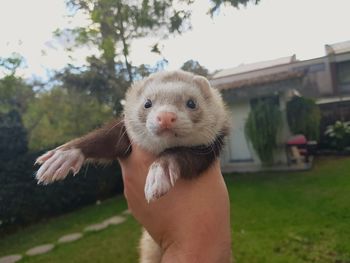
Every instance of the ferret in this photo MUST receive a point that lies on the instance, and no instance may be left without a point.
(176, 115)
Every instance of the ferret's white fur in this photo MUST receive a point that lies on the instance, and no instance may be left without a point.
(58, 163)
(163, 94)
(159, 181)
(150, 252)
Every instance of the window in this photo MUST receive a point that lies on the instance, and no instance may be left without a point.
(343, 76)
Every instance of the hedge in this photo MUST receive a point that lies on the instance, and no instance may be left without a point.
(23, 201)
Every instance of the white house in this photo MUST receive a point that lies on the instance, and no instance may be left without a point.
(326, 79)
(240, 87)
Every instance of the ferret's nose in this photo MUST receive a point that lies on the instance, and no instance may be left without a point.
(166, 119)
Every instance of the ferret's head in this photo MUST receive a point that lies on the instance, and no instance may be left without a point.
(170, 109)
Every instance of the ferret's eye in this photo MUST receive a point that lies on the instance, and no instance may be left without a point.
(148, 104)
(191, 104)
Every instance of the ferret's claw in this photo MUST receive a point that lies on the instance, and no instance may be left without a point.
(57, 165)
(41, 159)
(159, 180)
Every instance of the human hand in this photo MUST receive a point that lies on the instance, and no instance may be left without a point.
(191, 222)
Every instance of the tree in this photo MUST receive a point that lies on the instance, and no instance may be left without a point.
(194, 67)
(94, 81)
(10, 64)
(115, 23)
(59, 115)
(15, 93)
(216, 4)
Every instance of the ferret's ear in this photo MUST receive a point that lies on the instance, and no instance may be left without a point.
(204, 85)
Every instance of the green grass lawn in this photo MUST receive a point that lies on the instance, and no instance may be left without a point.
(292, 217)
(276, 217)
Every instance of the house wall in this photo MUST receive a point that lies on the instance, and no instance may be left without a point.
(238, 149)
(238, 154)
(318, 77)
(284, 134)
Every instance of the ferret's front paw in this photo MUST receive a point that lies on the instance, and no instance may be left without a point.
(160, 179)
(56, 164)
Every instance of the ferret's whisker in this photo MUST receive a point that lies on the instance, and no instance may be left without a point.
(121, 136)
(127, 149)
(115, 125)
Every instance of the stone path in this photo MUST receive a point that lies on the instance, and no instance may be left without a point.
(70, 238)
(42, 249)
(126, 212)
(10, 259)
(115, 220)
(96, 227)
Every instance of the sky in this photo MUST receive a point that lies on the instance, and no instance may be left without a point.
(269, 30)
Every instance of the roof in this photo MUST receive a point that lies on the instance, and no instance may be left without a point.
(280, 76)
(254, 66)
(338, 48)
(332, 100)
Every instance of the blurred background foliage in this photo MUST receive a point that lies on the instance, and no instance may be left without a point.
(37, 115)
(304, 116)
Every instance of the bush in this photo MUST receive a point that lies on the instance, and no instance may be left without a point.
(22, 201)
(339, 135)
(304, 117)
(13, 141)
(261, 129)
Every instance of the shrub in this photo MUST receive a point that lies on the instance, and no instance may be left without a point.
(339, 134)
(304, 117)
(22, 201)
(261, 129)
(13, 140)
